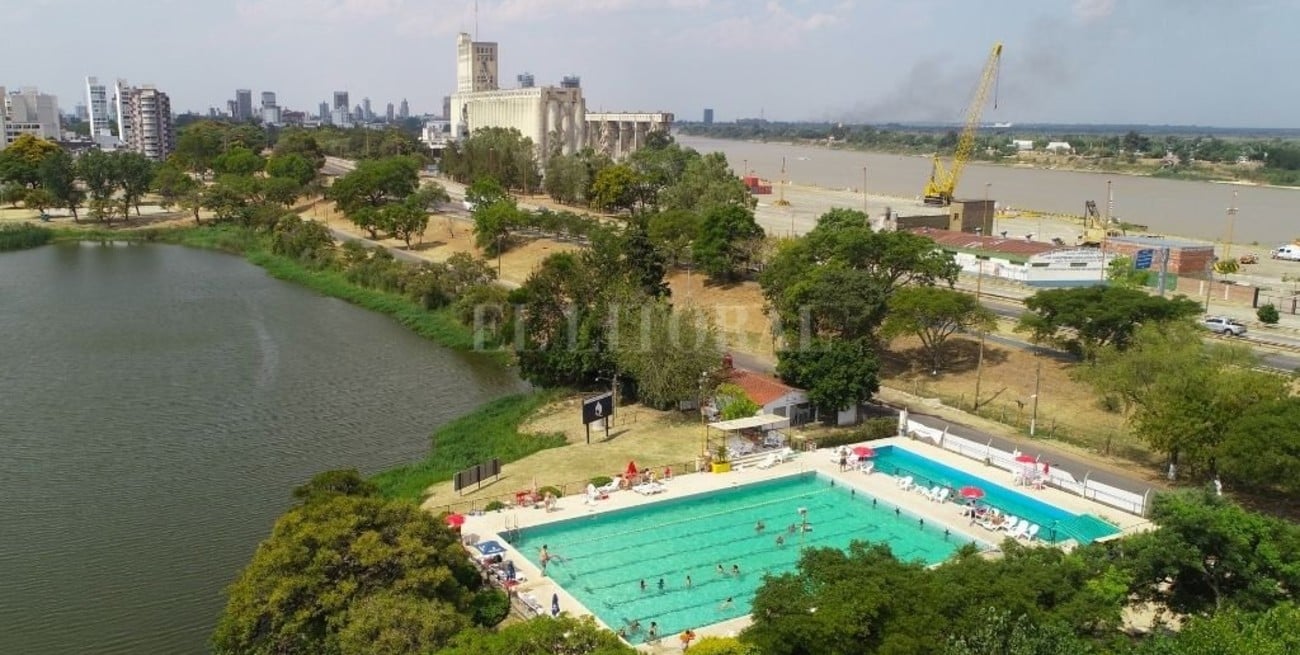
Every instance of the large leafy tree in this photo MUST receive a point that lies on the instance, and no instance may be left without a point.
(302, 143)
(673, 232)
(374, 183)
(1083, 319)
(1261, 449)
(293, 166)
(562, 635)
(134, 177)
(238, 161)
(20, 161)
(98, 169)
(564, 322)
(493, 224)
(1208, 554)
(504, 154)
(837, 279)
(1232, 632)
(665, 351)
(615, 188)
(58, 175)
(1184, 398)
(837, 373)
(706, 183)
(933, 314)
(347, 571)
(404, 220)
(721, 249)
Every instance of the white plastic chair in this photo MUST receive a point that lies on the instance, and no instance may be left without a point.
(769, 461)
(906, 483)
(1032, 533)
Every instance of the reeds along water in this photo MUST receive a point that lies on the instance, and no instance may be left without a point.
(23, 236)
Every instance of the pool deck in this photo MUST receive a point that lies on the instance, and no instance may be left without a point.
(491, 525)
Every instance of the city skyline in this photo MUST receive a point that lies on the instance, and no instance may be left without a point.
(1070, 61)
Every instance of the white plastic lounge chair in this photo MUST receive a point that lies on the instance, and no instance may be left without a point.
(942, 495)
(906, 483)
(530, 601)
(868, 467)
(649, 488)
(769, 461)
(1020, 530)
(1011, 525)
(786, 454)
(931, 493)
(1032, 532)
(612, 486)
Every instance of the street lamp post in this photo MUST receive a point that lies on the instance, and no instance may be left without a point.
(990, 228)
(1033, 417)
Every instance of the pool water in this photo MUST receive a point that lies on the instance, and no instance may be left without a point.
(601, 559)
(1055, 524)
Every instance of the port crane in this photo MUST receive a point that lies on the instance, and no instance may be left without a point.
(943, 179)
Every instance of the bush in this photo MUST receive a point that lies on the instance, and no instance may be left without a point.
(601, 480)
(494, 506)
(872, 428)
(554, 491)
(490, 607)
(18, 237)
(1267, 314)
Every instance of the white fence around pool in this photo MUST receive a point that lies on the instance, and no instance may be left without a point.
(1060, 478)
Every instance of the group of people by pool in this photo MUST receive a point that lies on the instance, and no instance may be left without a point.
(794, 528)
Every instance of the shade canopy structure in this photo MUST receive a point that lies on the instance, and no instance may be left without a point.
(971, 492)
(750, 422)
(455, 520)
(864, 451)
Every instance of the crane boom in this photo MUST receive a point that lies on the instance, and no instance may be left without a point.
(943, 180)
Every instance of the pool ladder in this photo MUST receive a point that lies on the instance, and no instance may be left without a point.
(511, 533)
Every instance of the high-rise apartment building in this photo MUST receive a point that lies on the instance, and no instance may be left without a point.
(708, 116)
(97, 102)
(446, 108)
(243, 104)
(390, 113)
(366, 113)
(270, 110)
(341, 100)
(404, 110)
(324, 115)
(476, 65)
(31, 112)
(268, 99)
(144, 116)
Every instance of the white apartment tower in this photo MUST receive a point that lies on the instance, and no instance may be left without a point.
(32, 112)
(97, 105)
(144, 119)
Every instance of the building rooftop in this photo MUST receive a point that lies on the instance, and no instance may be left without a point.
(1162, 242)
(1018, 248)
(760, 388)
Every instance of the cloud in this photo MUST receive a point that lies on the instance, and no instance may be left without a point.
(1093, 10)
(772, 27)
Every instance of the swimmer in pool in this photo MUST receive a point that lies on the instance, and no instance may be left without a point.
(688, 582)
(661, 584)
(721, 571)
(643, 585)
(735, 570)
(726, 604)
(780, 541)
(759, 527)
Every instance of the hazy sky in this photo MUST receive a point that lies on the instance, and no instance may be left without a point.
(1206, 62)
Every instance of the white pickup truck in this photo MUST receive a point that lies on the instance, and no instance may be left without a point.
(1289, 252)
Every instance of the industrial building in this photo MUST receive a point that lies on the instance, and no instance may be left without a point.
(1185, 257)
(555, 118)
(1033, 263)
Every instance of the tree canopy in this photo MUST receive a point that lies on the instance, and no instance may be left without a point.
(345, 571)
(722, 248)
(933, 314)
(1083, 319)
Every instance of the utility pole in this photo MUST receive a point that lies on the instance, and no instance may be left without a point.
(988, 226)
(1038, 381)
(1105, 229)
(864, 190)
(1232, 221)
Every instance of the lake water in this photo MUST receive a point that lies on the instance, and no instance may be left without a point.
(1194, 209)
(157, 406)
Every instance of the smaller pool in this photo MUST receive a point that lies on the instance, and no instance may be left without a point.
(1056, 524)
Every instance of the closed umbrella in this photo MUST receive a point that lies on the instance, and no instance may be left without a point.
(555, 604)
(631, 470)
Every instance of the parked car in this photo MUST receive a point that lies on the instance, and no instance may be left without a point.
(1223, 325)
(1289, 252)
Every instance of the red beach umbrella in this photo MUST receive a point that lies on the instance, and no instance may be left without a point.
(455, 520)
(972, 493)
(631, 470)
(864, 451)
(1025, 459)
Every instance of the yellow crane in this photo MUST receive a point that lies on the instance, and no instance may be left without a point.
(943, 179)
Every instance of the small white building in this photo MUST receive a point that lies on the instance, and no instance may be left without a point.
(780, 399)
(1022, 144)
(1060, 147)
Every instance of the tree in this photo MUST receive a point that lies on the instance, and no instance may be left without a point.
(1261, 448)
(718, 250)
(429, 196)
(301, 143)
(721, 646)
(1183, 396)
(562, 635)
(375, 183)
(640, 260)
(707, 183)
(733, 402)
(20, 161)
(1208, 554)
(345, 568)
(933, 314)
(38, 199)
(1121, 273)
(665, 351)
(485, 191)
(238, 161)
(98, 170)
(282, 191)
(1267, 314)
(493, 224)
(1231, 632)
(58, 175)
(837, 279)
(1136, 143)
(230, 198)
(134, 178)
(293, 166)
(615, 188)
(501, 153)
(1001, 634)
(1084, 319)
(13, 194)
(404, 220)
(838, 374)
(673, 232)
(171, 184)
(567, 178)
(563, 318)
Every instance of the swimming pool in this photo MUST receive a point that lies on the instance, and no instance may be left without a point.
(601, 559)
(1056, 524)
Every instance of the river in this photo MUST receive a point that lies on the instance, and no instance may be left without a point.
(1267, 215)
(157, 406)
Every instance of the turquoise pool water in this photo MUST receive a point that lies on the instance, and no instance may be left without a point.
(1057, 524)
(601, 559)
